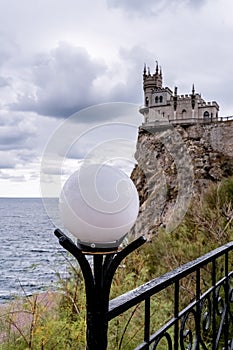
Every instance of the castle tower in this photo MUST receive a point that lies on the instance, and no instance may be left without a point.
(151, 82)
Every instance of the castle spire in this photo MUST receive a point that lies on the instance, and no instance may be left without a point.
(193, 90)
(157, 68)
(160, 72)
(144, 70)
(175, 100)
(193, 100)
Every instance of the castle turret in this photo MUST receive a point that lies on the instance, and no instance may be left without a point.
(158, 77)
(154, 81)
(151, 82)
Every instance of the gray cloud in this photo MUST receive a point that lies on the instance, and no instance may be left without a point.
(106, 134)
(3, 82)
(18, 141)
(18, 134)
(8, 48)
(151, 7)
(26, 156)
(64, 82)
(14, 178)
(12, 138)
(8, 159)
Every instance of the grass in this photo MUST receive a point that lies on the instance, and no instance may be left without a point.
(207, 225)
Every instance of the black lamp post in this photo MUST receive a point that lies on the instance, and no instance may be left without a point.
(100, 217)
(98, 281)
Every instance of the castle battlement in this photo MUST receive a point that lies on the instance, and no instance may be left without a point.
(184, 97)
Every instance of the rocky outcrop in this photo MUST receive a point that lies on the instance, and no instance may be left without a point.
(174, 164)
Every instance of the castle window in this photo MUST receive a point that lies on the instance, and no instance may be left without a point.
(156, 99)
(147, 101)
(206, 114)
(161, 99)
(184, 114)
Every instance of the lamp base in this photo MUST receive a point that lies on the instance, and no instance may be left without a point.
(99, 248)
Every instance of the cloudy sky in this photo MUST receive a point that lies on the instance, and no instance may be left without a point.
(59, 57)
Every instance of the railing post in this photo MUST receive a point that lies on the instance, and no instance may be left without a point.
(198, 309)
(176, 315)
(226, 326)
(147, 323)
(214, 305)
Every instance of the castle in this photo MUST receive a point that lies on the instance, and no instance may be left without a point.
(161, 104)
(183, 146)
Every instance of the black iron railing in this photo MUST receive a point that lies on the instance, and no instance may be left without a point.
(204, 322)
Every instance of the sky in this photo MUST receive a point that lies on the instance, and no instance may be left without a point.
(85, 58)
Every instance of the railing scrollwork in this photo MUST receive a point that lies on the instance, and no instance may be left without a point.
(164, 337)
(206, 323)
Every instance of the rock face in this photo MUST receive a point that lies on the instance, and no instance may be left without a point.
(174, 164)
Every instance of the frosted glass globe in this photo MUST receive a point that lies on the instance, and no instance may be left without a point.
(98, 204)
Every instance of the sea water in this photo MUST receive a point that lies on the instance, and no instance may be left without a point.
(31, 259)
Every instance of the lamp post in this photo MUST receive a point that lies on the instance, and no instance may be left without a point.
(98, 205)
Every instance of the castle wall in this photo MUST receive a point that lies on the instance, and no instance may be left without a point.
(184, 109)
(211, 109)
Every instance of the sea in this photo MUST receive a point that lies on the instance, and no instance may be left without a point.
(31, 259)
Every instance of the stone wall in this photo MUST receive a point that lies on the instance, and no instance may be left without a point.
(174, 164)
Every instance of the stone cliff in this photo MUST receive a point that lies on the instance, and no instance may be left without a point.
(176, 163)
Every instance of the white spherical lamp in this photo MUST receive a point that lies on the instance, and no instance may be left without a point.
(98, 205)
